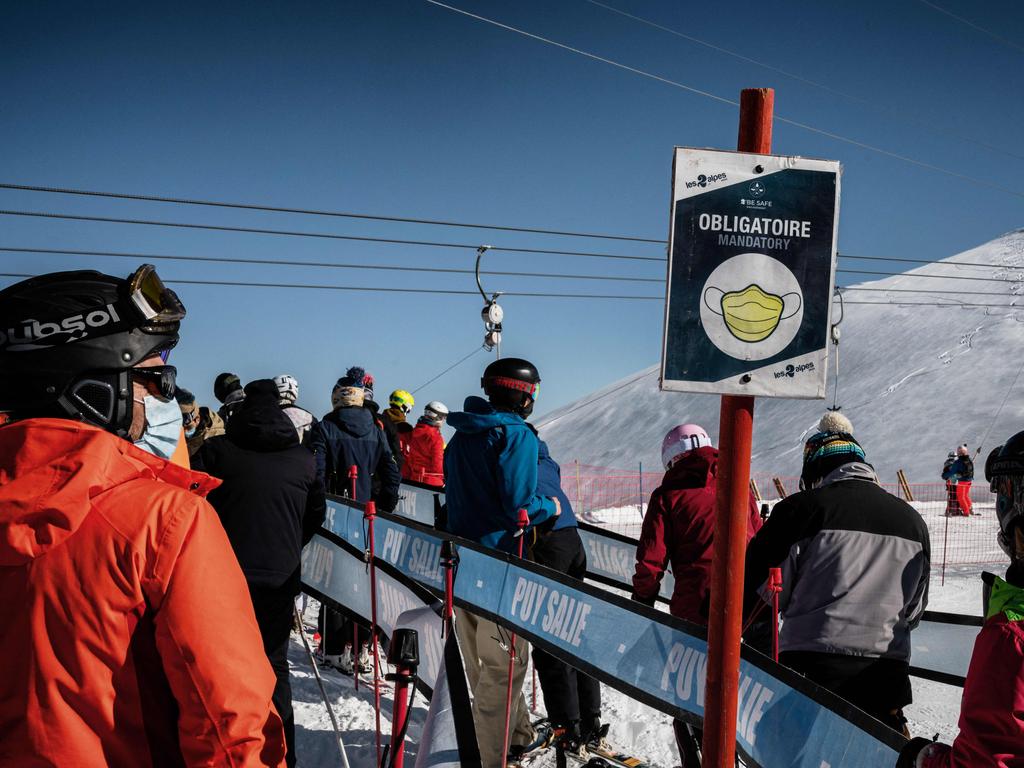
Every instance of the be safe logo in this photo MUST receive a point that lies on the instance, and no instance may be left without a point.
(703, 180)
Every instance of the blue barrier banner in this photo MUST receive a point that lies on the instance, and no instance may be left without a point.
(343, 576)
(783, 720)
(942, 644)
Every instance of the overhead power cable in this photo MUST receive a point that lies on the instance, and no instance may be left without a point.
(877, 108)
(846, 288)
(972, 25)
(919, 276)
(721, 99)
(322, 235)
(376, 289)
(939, 262)
(327, 264)
(317, 212)
(525, 294)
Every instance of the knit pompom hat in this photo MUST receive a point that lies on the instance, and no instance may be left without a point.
(349, 389)
(829, 448)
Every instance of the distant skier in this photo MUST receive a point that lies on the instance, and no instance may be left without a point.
(347, 437)
(992, 708)
(855, 562)
(384, 422)
(424, 446)
(963, 471)
(227, 388)
(949, 475)
(288, 395)
(679, 529)
(198, 421)
(491, 471)
(400, 405)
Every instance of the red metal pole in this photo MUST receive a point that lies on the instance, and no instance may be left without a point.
(403, 653)
(524, 521)
(370, 515)
(355, 654)
(733, 496)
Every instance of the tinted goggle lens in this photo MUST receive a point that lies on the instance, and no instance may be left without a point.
(152, 298)
(164, 379)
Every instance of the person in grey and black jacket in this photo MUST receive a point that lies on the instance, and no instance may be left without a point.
(855, 562)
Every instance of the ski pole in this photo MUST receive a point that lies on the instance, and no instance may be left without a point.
(353, 475)
(775, 587)
(403, 654)
(323, 692)
(355, 651)
(370, 515)
(524, 521)
(449, 561)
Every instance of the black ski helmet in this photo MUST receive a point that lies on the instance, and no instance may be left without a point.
(512, 383)
(1004, 470)
(69, 339)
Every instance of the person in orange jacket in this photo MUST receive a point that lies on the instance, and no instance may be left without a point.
(118, 579)
(424, 447)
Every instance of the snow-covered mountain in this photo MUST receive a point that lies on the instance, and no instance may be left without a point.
(915, 380)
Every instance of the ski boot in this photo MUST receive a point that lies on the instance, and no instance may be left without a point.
(595, 737)
(365, 662)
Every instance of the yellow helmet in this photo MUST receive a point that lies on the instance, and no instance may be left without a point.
(402, 400)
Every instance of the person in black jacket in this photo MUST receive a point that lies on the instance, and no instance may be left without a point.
(347, 437)
(270, 503)
(855, 566)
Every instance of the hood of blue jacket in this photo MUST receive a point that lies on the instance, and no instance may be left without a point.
(479, 416)
(355, 420)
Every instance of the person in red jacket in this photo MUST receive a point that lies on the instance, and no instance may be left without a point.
(117, 578)
(992, 708)
(679, 529)
(424, 447)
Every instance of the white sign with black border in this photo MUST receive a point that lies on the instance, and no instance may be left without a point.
(751, 270)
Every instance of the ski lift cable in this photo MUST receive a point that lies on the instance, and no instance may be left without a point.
(328, 264)
(451, 367)
(401, 219)
(889, 112)
(317, 212)
(321, 235)
(526, 294)
(1000, 409)
(382, 289)
(714, 97)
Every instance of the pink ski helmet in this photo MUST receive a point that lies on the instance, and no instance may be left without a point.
(681, 440)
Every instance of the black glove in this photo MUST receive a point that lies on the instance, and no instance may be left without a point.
(909, 753)
(645, 600)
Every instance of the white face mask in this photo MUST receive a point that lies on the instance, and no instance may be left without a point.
(163, 427)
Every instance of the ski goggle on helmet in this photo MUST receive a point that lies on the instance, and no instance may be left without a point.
(156, 303)
(680, 441)
(402, 400)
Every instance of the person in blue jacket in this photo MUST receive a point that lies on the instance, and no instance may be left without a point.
(490, 468)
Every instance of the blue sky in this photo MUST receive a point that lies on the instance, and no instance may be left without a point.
(408, 109)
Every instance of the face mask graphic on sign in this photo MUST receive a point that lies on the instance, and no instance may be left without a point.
(751, 314)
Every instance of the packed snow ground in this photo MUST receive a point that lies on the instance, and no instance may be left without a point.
(635, 728)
